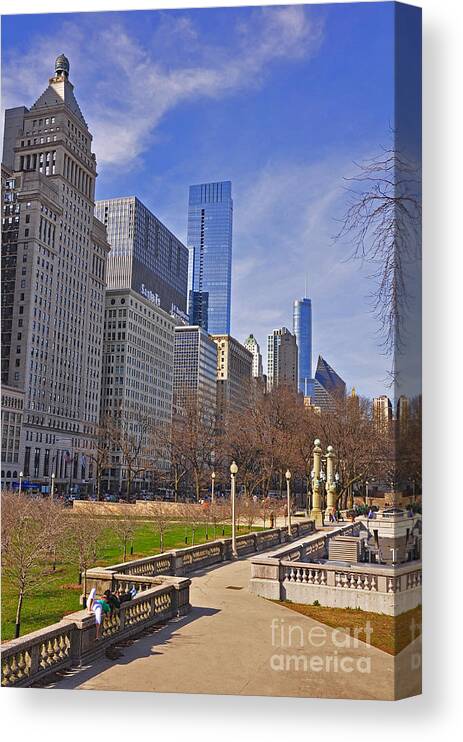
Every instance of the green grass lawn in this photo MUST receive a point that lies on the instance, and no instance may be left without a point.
(62, 591)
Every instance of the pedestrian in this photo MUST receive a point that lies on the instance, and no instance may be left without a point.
(98, 606)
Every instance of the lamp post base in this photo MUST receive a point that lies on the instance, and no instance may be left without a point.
(317, 516)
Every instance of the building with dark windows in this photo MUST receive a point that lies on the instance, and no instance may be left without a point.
(210, 220)
(195, 369)
(282, 359)
(327, 387)
(302, 329)
(54, 254)
(329, 379)
(145, 255)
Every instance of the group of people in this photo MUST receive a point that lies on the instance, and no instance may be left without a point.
(108, 602)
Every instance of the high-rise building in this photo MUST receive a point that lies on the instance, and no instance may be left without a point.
(210, 220)
(145, 255)
(382, 412)
(138, 366)
(329, 379)
(195, 370)
(302, 329)
(282, 359)
(234, 375)
(54, 254)
(403, 413)
(253, 346)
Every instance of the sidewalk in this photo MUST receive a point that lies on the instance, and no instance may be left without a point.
(229, 644)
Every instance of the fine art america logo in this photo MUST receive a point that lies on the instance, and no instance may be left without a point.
(320, 649)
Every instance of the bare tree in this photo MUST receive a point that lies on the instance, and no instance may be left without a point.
(195, 443)
(85, 539)
(250, 510)
(193, 517)
(30, 531)
(382, 223)
(130, 434)
(124, 527)
(101, 455)
(161, 520)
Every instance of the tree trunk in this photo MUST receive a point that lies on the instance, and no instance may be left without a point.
(125, 550)
(17, 627)
(161, 541)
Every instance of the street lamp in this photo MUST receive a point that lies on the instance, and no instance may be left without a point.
(52, 493)
(212, 487)
(288, 495)
(20, 482)
(233, 473)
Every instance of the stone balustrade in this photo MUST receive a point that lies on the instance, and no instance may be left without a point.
(190, 559)
(283, 575)
(163, 594)
(72, 641)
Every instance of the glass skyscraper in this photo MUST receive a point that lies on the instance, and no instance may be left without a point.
(302, 329)
(210, 218)
(145, 255)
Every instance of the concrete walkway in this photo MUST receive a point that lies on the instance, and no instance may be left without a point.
(227, 645)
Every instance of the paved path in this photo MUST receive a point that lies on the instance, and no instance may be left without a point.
(225, 646)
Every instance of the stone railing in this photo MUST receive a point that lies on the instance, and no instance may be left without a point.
(382, 589)
(181, 562)
(163, 593)
(72, 641)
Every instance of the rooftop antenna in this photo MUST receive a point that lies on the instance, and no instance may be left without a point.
(305, 287)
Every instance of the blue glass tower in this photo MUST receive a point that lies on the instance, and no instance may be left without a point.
(302, 329)
(210, 218)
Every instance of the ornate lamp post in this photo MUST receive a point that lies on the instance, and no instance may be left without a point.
(233, 473)
(288, 497)
(330, 484)
(316, 513)
(20, 482)
(212, 487)
(52, 489)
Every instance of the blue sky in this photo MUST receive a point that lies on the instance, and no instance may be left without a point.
(280, 100)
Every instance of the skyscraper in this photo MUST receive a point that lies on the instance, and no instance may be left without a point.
(210, 220)
(138, 363)
(54, 255)
(382, 412)
(282, 359)
(195, 369)
(327, 386)
(329, 379)
(253, 346)
(302, 329)
(145, 256)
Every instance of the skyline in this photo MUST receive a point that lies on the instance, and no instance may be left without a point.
(286, 197)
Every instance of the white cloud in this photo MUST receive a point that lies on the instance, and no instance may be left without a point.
(125, 88)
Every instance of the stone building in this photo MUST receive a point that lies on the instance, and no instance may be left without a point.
(234, 375)
(282, 359)
(137, 383)
(12, 415)
(54, 256)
